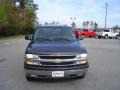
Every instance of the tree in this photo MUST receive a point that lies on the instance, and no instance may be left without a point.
(9, 21)
(73, 25)
(17, 19)
(116, 27)
(91, 24)
(95, 26)
(87, 24)
(84, 24)
(28, 14)
(3, 17)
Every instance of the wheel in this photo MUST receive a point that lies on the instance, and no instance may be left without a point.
(117, 37)
(29, 78)
(99, 37)
(106, 36)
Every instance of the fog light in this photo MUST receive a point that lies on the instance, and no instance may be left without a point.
(83, 62)
(35, 63)
(29, 62)
(32, 63)
(78, 62)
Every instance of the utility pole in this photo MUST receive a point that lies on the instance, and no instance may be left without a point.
(106, 14)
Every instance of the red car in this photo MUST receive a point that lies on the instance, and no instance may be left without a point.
(85, 32)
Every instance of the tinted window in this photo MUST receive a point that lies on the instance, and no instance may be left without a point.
(106, 31)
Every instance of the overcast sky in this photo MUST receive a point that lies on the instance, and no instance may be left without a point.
(83, 10)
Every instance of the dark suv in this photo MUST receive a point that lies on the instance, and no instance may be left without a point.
(55, 52)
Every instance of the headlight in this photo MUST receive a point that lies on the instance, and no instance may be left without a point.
(30, 59)
(31, 56)
(81, 56)
(32, 62)
(82, 59)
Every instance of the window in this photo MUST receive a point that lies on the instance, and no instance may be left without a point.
(54, 33)
(106, 31)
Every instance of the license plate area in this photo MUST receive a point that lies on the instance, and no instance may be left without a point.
(57, 73)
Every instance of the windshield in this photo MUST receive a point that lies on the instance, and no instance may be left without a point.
(106, 31)
(54, 34)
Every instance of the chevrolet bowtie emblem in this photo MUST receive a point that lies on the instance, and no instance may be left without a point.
(58, 61)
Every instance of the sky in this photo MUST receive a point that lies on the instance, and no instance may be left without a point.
(83, 10)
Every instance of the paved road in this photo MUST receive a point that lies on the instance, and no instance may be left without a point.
(103, 74)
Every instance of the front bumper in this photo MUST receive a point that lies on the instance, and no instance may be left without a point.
(40, 72)
(48, 74)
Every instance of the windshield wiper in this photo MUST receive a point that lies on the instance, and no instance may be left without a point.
(66, 39)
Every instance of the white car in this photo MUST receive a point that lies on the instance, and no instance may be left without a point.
(107, 33)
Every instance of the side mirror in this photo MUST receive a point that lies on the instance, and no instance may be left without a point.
(28, 37)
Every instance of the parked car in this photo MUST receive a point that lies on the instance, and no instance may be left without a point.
(55, 52)
(85, 33)
(107, 33)
(88, 33)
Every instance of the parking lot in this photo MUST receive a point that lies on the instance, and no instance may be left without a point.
(103, 74)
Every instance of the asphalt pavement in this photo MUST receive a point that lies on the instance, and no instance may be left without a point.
(103, 74)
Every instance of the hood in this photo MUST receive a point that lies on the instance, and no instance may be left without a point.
(55, 47)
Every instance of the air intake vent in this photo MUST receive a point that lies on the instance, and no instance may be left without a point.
(57, 57)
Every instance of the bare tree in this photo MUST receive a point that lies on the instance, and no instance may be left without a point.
(87, 24)
(84, 24)
(73, 25)
(91, 24)
(95, 26)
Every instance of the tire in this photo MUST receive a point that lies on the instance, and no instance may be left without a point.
(117, 37)
(99, 37)
(28, 78)
(106, 36)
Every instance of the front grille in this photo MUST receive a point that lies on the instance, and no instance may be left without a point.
(53, 63)
(46, 59)
(57, 57)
